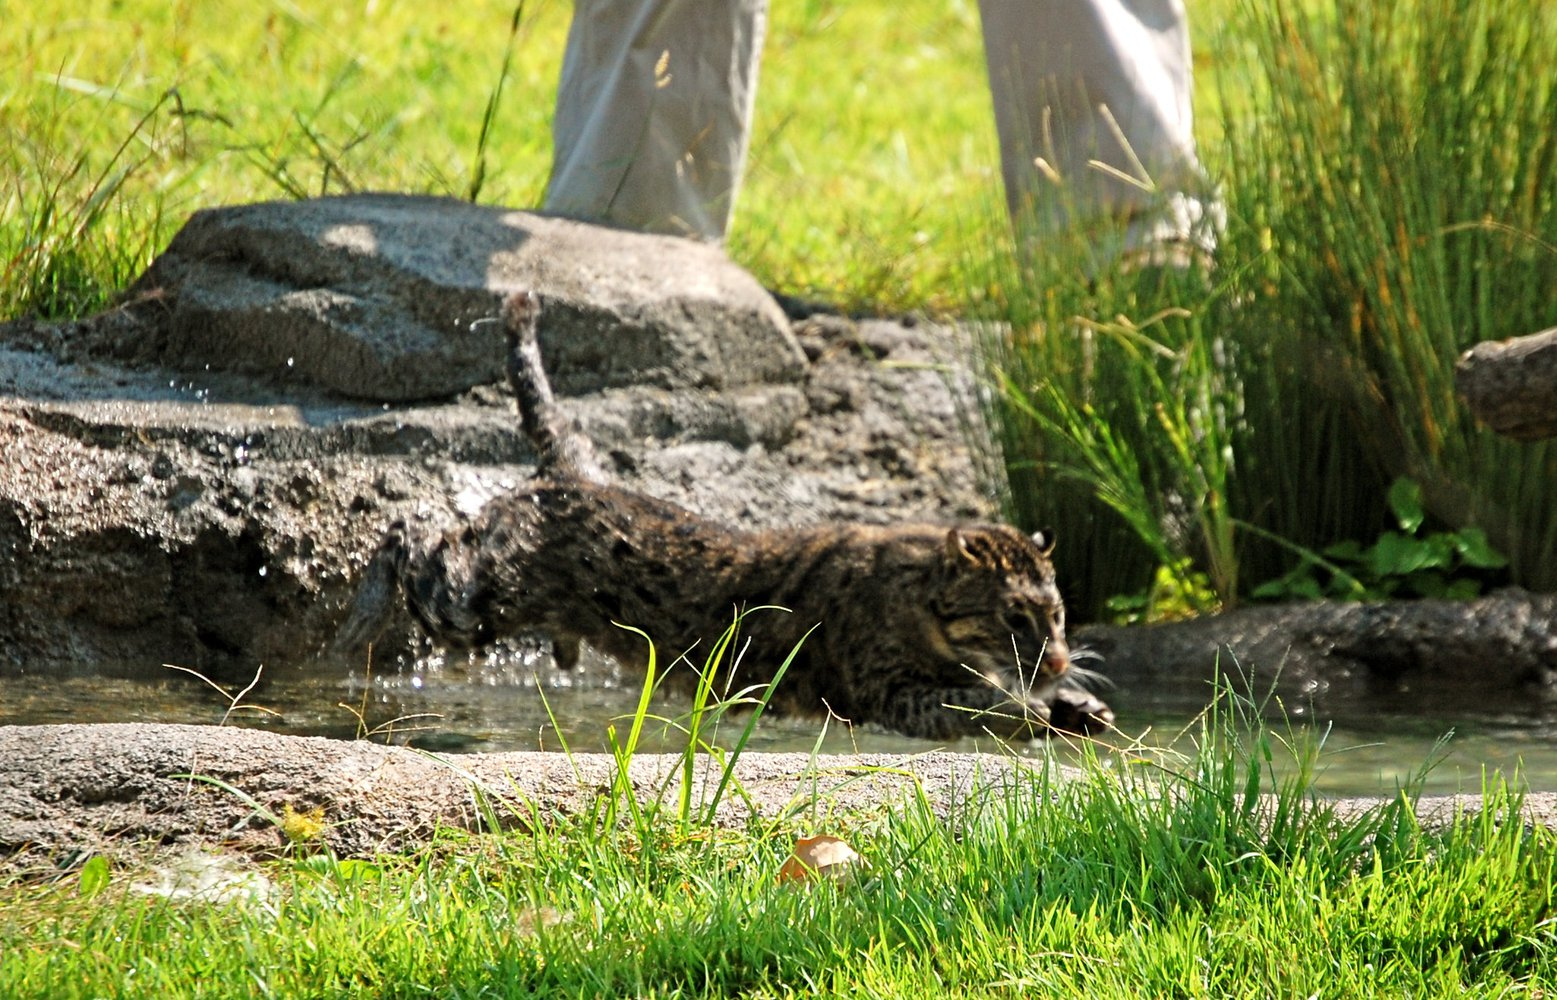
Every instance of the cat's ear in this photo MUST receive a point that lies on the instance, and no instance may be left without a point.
(957, 546)
(1044, 539)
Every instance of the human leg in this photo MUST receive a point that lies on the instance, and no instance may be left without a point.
(654, 112)
(1092, 106)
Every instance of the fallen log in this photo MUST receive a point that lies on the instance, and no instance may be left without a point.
(1511, 385)
(133, 789)
(1446, 655)
(149, 795)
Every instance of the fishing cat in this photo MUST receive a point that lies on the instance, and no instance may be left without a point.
(932, 630)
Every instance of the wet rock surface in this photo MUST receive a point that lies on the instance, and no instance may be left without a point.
(1495, 653)
(198, 514)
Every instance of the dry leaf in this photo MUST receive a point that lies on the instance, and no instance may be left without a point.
(816, 857)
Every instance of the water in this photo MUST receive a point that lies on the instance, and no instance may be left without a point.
(502, 704)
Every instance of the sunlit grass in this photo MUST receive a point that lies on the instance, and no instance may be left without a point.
(1205, 875)
(872, 184)
(222, 103)
(1389, 176)
(873, 149)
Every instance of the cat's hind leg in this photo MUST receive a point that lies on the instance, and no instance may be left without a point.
(378, 593)
(434, 579)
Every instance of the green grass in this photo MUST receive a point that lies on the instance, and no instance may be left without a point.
(865, 159)
(1205, 876)
(271, 101)
(1388, 170)
(1390, 175)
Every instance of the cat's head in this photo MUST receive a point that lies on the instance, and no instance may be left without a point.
(997, 610)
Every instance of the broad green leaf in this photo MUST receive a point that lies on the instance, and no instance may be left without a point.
(1306, 588)
(1476, 551)
(1395, 554)
(94, 876)
(352, 869)
(1441, 550)
(1347, 550)
(1405, 499)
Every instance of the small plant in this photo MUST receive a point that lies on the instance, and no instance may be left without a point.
(1177, 592)
(94, 877)
(69, 236)
(235, 702)
(1450, 564)
(713, 697)
(388, 730)
(303, 827)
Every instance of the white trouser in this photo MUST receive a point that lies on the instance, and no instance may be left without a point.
(1092, 104)
(654, 112)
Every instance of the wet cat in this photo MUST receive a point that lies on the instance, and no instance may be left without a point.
(932, 630)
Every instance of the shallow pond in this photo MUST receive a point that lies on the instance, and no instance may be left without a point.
(502, 704)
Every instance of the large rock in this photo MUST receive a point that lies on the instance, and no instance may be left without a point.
(378, 297)
(81, 789)
(217, 522)
(1495, 654)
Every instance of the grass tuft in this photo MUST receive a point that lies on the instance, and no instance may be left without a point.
(1391, 187)
(1139, 876)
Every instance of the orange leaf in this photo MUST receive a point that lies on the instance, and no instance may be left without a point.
(815, 857)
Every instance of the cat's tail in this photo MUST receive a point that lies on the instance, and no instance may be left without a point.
(559, 443)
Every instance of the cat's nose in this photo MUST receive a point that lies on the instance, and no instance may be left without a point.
(1056, 657)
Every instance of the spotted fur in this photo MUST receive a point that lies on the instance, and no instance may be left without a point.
(931, 630)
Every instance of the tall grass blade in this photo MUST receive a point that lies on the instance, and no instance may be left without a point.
(478, 172)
